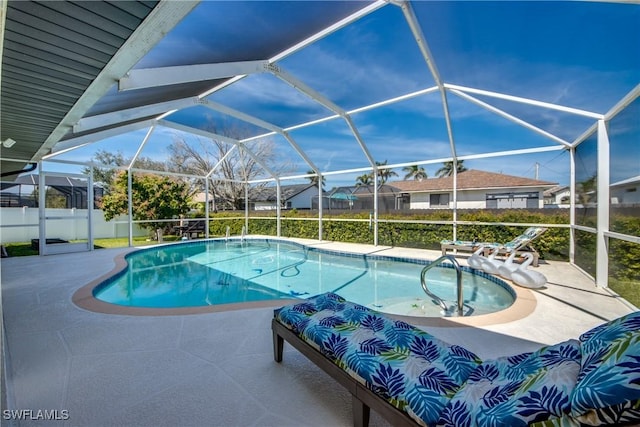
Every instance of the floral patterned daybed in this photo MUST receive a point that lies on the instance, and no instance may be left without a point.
(412, 378)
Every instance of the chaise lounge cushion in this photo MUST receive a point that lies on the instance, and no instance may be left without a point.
(608, 387)
(517, 390)
(409, 368)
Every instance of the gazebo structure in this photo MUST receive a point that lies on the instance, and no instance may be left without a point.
(369, 86)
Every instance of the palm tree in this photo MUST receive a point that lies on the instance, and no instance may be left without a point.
(314, 179)
(586, 190)
(366, 179)
(414, 172)
(385, 174)
(447, 169)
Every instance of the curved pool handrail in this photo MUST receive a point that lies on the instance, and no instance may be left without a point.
(436, 298)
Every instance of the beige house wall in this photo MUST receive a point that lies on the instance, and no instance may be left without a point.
(468, 199)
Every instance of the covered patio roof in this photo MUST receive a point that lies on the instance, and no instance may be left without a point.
(76, 73)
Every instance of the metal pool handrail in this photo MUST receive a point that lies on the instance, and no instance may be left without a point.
(435, 297)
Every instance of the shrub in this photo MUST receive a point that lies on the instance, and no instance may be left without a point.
(553, 244)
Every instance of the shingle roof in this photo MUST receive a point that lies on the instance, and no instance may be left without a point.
(268, 194)
(632, 180)
(555, 190)
(364, 189)
(469, 180)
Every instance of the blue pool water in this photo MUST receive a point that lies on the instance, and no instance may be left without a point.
(221, 272)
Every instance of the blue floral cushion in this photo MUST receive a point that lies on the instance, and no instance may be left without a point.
(517, 390)
(608, 388)
(406, 366)
(614, 329)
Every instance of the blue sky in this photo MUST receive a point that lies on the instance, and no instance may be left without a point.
(581, 55)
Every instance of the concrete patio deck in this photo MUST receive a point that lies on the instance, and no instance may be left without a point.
(216, 369)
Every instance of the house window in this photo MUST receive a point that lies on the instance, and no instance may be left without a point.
(439, 200)
(512, 200)
(403, 201)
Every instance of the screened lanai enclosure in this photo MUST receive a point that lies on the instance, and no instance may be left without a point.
(337, 120)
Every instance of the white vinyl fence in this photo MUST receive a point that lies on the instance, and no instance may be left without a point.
(21, 225)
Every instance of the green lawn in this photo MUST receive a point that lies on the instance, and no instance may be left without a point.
(122, 242)
(627, 290)
(24, 249)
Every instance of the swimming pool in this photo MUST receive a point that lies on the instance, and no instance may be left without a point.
(214, 272)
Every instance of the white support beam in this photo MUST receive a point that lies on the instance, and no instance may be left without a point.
(624, 102)
(278, 208)
(361, 143)
(355, 170)
(124, 168)
(166, 173)
(215, 136)
(165, 76)
(586, 134)
(196, 131)
(349, 113)
(108, 119)
(527, 101)
(261, 123)
(421, 40)
(294, 127)
(455, 201)
(222, 85)
(393, 100)
(312, 122)
(512, 152)
(375, 207)
(304, 43)
(421, 162)
(329, 30)
(130, 205)
(572, 205)
(217, 165)
(141, 147)
(304, 88)
(320, 189)
(258, 160)
(467, 157)
(156, 25)
(78, 141)
(510, 117)
(301, 152)
(288, 177)
(317, 97)
(602, 244)
(240, 115)
(625, 237)
(260, 181)
(206, 207)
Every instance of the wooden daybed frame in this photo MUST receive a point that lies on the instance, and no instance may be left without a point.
(363, 399)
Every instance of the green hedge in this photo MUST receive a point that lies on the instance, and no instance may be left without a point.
(554, 244)
(624, 257)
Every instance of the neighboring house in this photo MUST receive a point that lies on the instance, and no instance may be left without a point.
(476, 190)
(62, 192)
(297, 196)
(557, 197)
(626, 192)
(359, 197)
